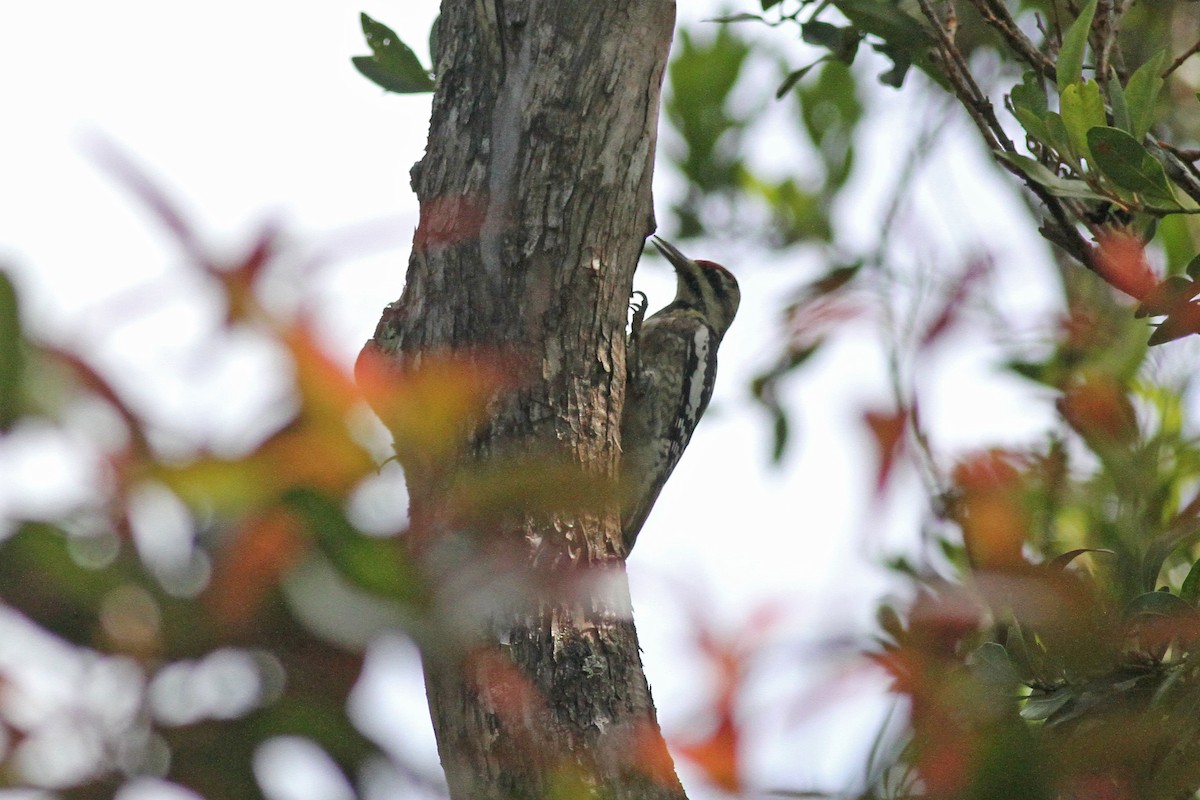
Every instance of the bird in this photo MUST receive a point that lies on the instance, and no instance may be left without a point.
(671, 362)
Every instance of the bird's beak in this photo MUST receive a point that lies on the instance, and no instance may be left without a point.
(671, 253)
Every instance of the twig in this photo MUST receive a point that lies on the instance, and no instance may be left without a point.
(965, 88)
(1060, 228)
(1181, 170)
(903, 392)
(1184, 56)
(1188, 154)
(996, 14)
(1104, 29)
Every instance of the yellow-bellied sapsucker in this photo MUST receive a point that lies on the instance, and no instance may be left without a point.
(672, 358)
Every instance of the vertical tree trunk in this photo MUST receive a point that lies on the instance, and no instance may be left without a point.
(535, 200)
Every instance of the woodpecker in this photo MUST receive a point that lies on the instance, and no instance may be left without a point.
(672, 366)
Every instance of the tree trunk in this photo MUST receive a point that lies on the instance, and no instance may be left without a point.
(535, 201)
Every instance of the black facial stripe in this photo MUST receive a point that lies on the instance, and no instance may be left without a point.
(693, 283)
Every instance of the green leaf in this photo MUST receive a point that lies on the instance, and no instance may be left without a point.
(841, 42)
(1070, 55)
(797, 214)
(765, 387)
(1189, 592)
(1030, 94)
(1018, 651)
(1082, 109)
(894, 77)
(1037, 371)
(392, 65)
(830, 109)
(1141, 95)
(779, 434)
(1120, 109)
(12, 354)
(378, 565)
(1162, 546)
(1041, 704)
(1158, 604)
(1175, 236)
(992, 660)
(767, 5)
(1128, 164)
(43, 579)
(1193, 268)
(886, 20)
(822, 34)
(1056, 185)
(1034, 125)
(1056, 130)
(902, 38)
(702, 75)
(742, 17)
(1063, 560)
(795, 76)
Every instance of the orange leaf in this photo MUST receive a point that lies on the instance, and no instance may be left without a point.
(261, 552)
(432, 405)
(717, 755)
(1100, 410)
(326, 388)
(311, 455)
(991, 509)
(1121, 262)
(651, 753)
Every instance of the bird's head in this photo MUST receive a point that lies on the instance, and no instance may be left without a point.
(704, 286)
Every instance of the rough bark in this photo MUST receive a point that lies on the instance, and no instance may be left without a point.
(535, 200)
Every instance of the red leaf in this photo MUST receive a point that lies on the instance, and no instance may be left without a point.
(1183, 321)
(887, 430)
(992, 509)
(1121, 262)
(112, 158)
(955, 299)
(240, 279)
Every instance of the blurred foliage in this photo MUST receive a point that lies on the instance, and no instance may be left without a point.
(1046, 645)
(724, 192)
(214, 661)
(229, 599)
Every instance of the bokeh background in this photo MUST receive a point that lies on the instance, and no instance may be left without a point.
(251, 112)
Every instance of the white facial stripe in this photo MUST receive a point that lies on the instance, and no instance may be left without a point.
(700, 353)
(715, 294)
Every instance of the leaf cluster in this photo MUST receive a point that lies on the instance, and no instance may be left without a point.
(236, 594)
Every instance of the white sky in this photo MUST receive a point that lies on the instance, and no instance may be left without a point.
(251, 110)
